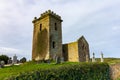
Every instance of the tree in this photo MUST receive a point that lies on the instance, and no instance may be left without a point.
(4, 58)
(22, 60)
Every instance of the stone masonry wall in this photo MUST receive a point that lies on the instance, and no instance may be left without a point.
(55, 36)
(65, 51)
(71, 51)
(115, 71)
(76, 51)
(41, 39)
(83, 50)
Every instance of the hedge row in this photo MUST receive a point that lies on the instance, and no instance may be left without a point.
(85, 71)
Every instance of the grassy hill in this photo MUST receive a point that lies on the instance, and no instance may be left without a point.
(27, 67)
(110, 60)
(32, 66)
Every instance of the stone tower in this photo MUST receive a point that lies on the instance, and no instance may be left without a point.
(47, 36)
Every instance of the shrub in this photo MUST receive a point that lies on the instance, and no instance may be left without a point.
(23, 60)
(4, 58)
(82, 71)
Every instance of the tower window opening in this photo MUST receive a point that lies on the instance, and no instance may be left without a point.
(56, 26)
(40, 27)
(82, 46)
(53, 44)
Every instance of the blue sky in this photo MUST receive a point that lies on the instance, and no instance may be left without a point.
(97, 20)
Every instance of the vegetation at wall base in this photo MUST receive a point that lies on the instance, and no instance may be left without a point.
(66, 71)
(118, 79)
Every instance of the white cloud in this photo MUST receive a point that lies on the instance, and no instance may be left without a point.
(116, 28)
(13, 51)
(8, 50)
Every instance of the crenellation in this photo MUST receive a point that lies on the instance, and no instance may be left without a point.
(35, 19)
(46, 13)
(49, 12)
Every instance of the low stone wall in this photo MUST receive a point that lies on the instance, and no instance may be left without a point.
(115, 71)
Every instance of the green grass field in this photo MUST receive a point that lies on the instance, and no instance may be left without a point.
(110, 60)
(31, 66)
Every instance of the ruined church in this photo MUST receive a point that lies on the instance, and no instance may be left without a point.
(47, 41)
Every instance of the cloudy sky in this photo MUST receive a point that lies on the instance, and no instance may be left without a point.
(97, 20)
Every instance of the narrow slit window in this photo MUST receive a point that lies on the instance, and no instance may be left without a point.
(56, 26)
(83, 46)
(53, 44)
(40, 27)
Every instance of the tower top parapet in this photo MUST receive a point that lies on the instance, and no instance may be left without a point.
(46, 13)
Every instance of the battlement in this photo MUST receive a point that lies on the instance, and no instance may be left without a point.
(46, 13)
